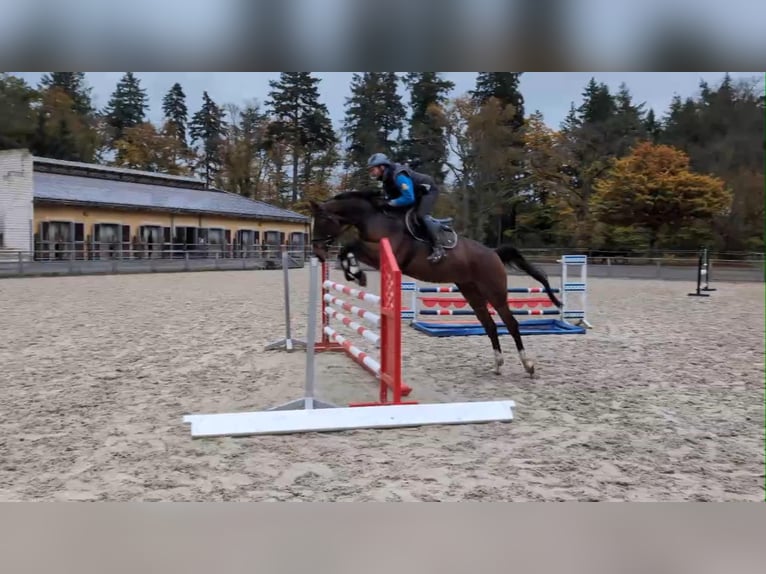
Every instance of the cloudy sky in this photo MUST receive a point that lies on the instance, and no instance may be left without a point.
(549, 92)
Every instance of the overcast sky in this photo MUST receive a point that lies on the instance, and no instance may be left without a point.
(550, 92)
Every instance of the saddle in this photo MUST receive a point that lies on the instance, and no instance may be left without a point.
(447, 235)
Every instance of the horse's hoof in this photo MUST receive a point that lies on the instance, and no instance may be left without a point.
(529, 366)
(499, 361)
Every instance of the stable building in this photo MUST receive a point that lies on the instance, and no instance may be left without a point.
(54, 210)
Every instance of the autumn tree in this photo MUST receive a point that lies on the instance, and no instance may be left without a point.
(458, 116)
(62, 132)
(245, 157)
(502, 89)
(146, 148)
(480, 136)
(603, 128)
(73, 84)
(544, 183)
(66, 122)
(653, 190)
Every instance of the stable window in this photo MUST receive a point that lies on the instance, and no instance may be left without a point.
(151, 239)
(271, 243)
(58, 239)
(246, 242)
(216, 238)
(185, 238)
(296, 239)
(107, 238)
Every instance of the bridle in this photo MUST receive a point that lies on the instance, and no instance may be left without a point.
(327, 240)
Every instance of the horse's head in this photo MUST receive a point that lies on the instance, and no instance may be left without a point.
(334, 216)
(327, 226)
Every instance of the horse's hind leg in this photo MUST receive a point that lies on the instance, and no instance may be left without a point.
(478, 303)
(497, 295)
(502, 309)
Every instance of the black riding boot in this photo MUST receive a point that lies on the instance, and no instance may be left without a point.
(433, 228)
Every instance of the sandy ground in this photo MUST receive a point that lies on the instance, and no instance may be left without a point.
(662, 400)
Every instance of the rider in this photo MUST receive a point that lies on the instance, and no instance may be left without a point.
(404, 187)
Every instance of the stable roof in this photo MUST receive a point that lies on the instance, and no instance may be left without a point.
(74, 183)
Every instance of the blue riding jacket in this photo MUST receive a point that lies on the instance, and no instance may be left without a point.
(406, 189)
(399, 185)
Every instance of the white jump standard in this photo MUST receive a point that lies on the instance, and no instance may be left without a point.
(288, 343)
(310, 415)
(703, 274)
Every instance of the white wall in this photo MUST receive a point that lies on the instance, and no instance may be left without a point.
(16, 199)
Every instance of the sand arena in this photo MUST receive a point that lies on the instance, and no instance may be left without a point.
(662, 400)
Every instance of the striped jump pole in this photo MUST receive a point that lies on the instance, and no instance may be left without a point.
(379, 325)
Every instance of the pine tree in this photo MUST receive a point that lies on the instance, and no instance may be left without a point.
(598, 104)
(682, 127)
(176, 113)
(652, 127)
(62, 132)
(627, 127)
(426, 147)
(374, 120)
(207, 127)
(590, 144)
(294, 103)
(18, 121)
(127, 106)
(722, 132)
(318, 142)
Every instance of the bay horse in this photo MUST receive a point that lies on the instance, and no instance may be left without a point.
(477, 270)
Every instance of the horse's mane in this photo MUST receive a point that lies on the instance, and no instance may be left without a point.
(366, 195)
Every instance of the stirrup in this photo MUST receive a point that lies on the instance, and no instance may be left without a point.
(437, 255)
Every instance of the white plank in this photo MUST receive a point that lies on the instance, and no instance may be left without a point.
(348, 418)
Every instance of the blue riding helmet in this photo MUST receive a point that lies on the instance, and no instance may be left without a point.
(378, 159)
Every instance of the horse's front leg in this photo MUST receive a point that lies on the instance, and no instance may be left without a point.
(350, 265)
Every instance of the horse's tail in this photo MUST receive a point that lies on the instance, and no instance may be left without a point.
(510, 255)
